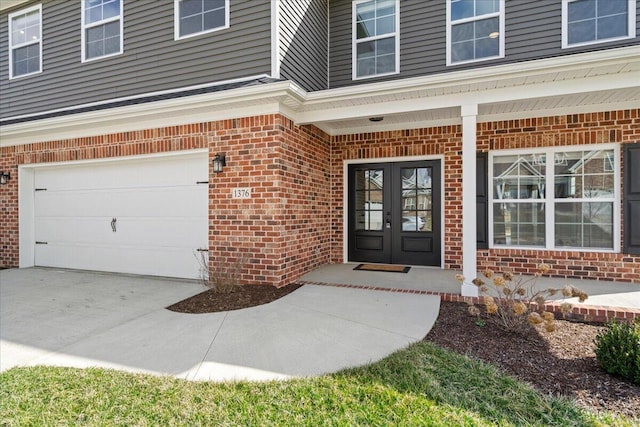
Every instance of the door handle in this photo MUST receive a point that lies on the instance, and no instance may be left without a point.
(114, 220)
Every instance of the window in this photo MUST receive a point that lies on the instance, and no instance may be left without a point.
(101, 28)
(25, 42)
(376, 44)
(593, 21)
(193, 17)
(475, 30)
(558, 198)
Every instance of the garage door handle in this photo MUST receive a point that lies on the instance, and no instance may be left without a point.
(113, 224)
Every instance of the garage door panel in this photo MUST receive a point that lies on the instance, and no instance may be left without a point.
(160, 172)
(161, 216)
(175, 232)
(149, 261)
(169, 202)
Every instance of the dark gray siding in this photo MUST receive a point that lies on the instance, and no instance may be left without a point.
(303, 42)
(533, 31)
(152, 59)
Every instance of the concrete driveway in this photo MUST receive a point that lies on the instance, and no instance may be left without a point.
(82, 319)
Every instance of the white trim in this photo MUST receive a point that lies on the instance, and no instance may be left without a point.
(631, 26)
(37, 7)
(176, 22)
(275, 39)
(469, 115)
(84, 27)
(328, 45)
(26, 187)
(501, 28)
(550, 199)
(355, 41)
(345, 197)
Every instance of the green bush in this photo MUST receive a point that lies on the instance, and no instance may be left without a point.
(618, 349)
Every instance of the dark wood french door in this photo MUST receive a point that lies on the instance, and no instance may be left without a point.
(394, 213)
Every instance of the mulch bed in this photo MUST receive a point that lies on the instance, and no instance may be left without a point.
(558, 363)
(247, 296)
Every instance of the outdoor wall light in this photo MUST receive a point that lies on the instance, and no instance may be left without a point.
(219, 161)
(4, 177)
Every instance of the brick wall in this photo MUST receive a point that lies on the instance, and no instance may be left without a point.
(605, 127)
(570, 130)
(294, 220)
(281, 232)
(443, 141)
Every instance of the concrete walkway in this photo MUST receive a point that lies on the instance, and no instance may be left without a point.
(436, 280)
(82, 319)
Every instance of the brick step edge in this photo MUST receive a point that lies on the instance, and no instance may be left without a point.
(580, 312)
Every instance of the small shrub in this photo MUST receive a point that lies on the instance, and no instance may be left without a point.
(618, 349)
(223, 278)
(515, 301)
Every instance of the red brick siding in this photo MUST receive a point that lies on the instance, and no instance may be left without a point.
(445, 141)
(570, 130)
(283, 230)
(605, 127)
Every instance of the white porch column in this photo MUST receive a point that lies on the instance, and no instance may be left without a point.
(469, 236)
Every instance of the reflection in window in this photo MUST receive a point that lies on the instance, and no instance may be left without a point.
(200, 16)
(375, 28)
(581, 202)
(102, 28)
(25, 42)
(369, 196)
(588, 21)
(417, 212)
(475, 30)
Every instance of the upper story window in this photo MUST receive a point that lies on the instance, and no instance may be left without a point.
(101, 28)
(376, 44)
(556, 198)
(475, 30)
(594, 21)
(25, 42)
(193, 17)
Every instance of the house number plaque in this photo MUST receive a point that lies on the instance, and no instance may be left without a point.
(241, 193)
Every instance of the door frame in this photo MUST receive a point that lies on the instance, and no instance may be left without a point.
(345, 197)
(26, 191)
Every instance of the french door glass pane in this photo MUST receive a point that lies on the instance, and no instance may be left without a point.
(369, 197)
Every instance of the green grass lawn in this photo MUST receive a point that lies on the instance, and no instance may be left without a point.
(420, 386)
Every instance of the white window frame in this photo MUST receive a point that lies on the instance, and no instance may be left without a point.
(85, 27)
(550, 199)
(501, 19)
(11, 48)
(176, 22)
(631, 25)
(355, 41)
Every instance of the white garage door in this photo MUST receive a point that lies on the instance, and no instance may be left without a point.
(143, 216)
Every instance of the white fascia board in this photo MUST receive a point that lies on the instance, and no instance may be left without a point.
(92, 126)
(486, 96)
(264, 99)
(479, 75)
